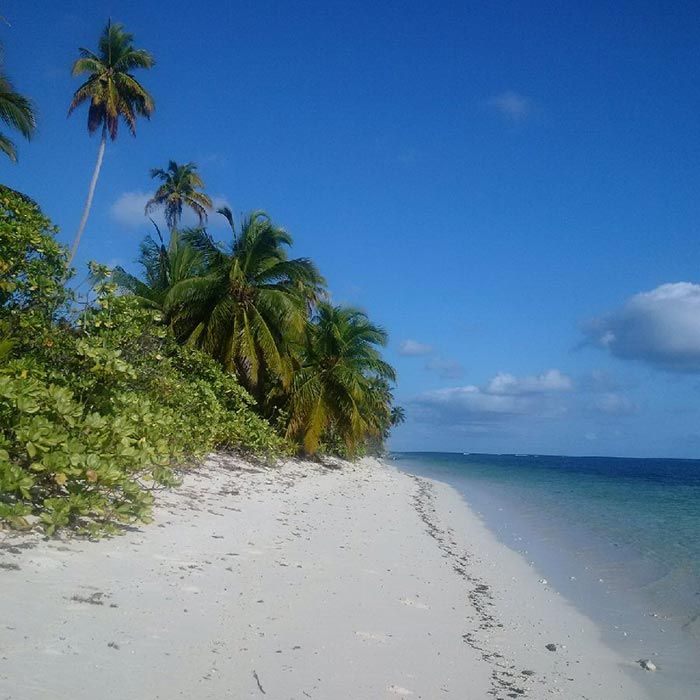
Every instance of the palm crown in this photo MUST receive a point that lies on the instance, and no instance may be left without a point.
(251, 302)
(111, 89)
(180, 188)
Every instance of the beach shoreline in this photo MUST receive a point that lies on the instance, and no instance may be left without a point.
(295, 581)
(615, 561)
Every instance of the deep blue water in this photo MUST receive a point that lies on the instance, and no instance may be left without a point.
(620, 538)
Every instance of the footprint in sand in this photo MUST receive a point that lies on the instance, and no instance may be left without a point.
(414, 604)
(373, 636)
(398, 690)
(44, 563)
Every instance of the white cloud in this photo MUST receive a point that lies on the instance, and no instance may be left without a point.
(443, 366)
(512, 105)
(468, 403)
(504, 397)
(509, 385)
(128, 210)
(660, 327)
(413, 347)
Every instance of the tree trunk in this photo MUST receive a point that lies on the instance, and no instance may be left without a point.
(91, 194)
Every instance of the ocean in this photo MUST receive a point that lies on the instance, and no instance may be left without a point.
(619, 538)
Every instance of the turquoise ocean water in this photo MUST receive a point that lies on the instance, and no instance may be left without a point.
(620, 538)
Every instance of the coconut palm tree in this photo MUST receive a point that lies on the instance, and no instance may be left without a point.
(113, 94)
(179, 189)
(163, 267)
(251, 303)
(17, 112)
(342, 384)
(397, 416)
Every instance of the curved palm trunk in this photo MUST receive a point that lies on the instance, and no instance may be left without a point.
(91, 194)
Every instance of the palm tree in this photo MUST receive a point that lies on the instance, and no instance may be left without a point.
(113, 94)
(397, 416)
(163, 267)
(342, 384)
(17, 112)
(251, 303)
(179, 189)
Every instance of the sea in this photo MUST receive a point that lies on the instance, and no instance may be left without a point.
(619, 538)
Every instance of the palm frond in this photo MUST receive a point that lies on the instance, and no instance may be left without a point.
(228, 215)
(17, 112)
(8, 148)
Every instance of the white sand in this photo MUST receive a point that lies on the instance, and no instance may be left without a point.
(296, 582)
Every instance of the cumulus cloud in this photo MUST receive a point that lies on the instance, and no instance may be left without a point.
(128, 210)
(660, 327)
(413, 347)
(512, 105)
(502, 398)
(468, 402)
(509, 385)
(442, 366)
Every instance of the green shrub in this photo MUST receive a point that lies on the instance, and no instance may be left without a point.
(91, 423)
(32, 263)
(74, 466)
(96, 413)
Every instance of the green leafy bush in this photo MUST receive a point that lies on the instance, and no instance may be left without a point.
(96, 413)
(32, 264)
(91, 423)
(72, 465)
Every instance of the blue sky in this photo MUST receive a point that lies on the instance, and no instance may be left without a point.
(511, 189)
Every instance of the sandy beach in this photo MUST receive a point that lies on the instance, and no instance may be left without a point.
(292, 582)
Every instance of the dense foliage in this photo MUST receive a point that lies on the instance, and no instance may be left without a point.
(314, 368)
(249, 304)
(236, 345)
(32, 264)
(95, 410)
(341, 385)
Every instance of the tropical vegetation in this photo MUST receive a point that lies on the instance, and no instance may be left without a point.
(106, 394)
(249, 305)
(180, 187)
(341, 384)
